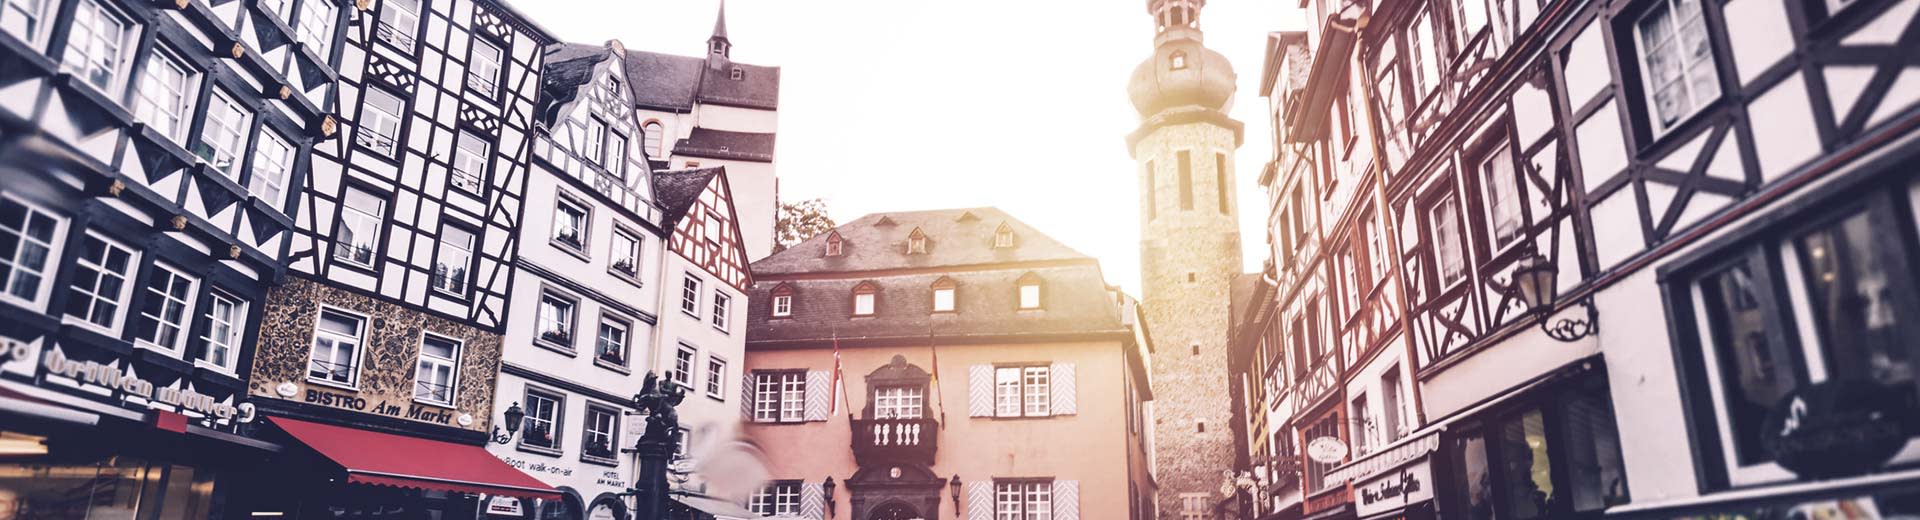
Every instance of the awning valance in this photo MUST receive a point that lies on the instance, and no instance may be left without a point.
(384, 459)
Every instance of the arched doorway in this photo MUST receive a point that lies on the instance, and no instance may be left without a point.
(895, 511)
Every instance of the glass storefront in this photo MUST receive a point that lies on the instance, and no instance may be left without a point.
(113, 487)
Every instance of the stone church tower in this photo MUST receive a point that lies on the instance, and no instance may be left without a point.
(1189, 249)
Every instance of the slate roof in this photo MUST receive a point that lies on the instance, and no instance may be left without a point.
(676, 190)
(568, 66)
(672, 82)
(951, 241)
(722, 144)
(1074, 296)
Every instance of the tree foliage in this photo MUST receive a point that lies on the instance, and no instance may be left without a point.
(799, 221)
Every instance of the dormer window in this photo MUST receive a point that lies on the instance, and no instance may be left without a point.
(835, 246)
(1178, 60)
(1003, 237)
(864, 296)
(1029, 291)
(917, 242)
(737, 74)
(782, 301)
(943, 295)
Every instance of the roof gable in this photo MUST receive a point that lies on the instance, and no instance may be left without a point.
(874, 242)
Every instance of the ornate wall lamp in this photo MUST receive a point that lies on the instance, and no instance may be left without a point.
(514, 417)
(953, 489)
(826, 488)
(1535, 278)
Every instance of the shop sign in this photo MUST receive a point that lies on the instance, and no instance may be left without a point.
(1382, 461)
(504, 506)
(1394, 490)
(126, 383)
(1326, 450)
(1837, 428)
(408, 410)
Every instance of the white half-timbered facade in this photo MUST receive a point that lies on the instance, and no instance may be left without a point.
(701, 340)
(1684, 218)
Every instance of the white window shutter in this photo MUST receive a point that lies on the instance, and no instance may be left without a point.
(819, 394)
(980, 391)
(1066, 500)
(1064, 400)
(746, 397)
(812, 501)
(979, 500)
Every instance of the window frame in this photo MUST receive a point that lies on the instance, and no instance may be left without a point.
(1025, 492)
(581, 244)
(120, 301)
(633, 255)
(489, 86)
(556, 423)
(373, 117)
(123, 51)
(436, 280)
(1649, 107)
(1024, 390)
(452, 364)
(589, 430)
(376, 221)
(569, 320)
(625, 326)
(322, 30)
(770, 392)
(261, 168)
(776, 498)
(716, 377)
(911, 397)
(236, 332)
(182, 329)
(464, 158)
(1029, 296)
(182, 109)
(684, 376)
(865, 296)
(50, 262)
(357, 346)
(409, 33)
(37, 33)
(722, 312)
(594, 148)
(208, 149)
(690, 285)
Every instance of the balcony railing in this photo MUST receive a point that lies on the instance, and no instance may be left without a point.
(895, 441)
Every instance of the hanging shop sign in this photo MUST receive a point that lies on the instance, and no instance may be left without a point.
(507, 506)
(1382, 461)
(1394, 490)
(1327, 450)
(119, 380)
(1837, 428)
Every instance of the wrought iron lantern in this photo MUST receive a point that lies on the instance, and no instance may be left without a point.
(953, 489)
(1536, 279)
(514, 417)
(826, 488)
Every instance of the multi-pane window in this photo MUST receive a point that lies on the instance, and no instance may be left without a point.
(783, 306)
(280, 9)
(690, 295)
(483, 68)
(272, 163)
(226, 319)
(99, 281)
(596, 140)
(899, 402)
(1502, 192)
(1829, 299)
(99, 42)
(26, 19)
(223, 136)
(778, 498)
(359, 234)
(616, 162)
(380, 116)
(27, 246)
(601, 438)
(469, 162)
(164, 100)
(779, 396)
(1195, 506)
(1449, 255)
(1676, 61)
(610, 344)
(721, 304)
(435, 374)
(556, 319)
(399, 20)
(1023, 500)
(316, 26)
(570, 222)
(165, 310)
(450, 263)
(1426, 60)
(683, 365)
(716, 371)
(544, 414)
(336, 346)
(1022, 392)
(625, 257)
(651, 136)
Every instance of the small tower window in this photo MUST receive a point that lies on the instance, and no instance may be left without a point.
(917, 242)
(782, 301)
(1178, 60)
(738, 74)
(1003, 237)
(1196, 349)
(943, 295)
(863, 298)
(1029, 291)
(835, 246)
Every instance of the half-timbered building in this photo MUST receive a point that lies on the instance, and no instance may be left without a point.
(707, 111)
(384, 344)
(1629, 259)
(700, 342)
(149, 156)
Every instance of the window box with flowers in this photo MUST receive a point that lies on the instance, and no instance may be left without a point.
(557, 336)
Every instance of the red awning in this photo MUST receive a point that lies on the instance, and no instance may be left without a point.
(385, 459)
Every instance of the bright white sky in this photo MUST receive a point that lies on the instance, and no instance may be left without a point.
(891, 105)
